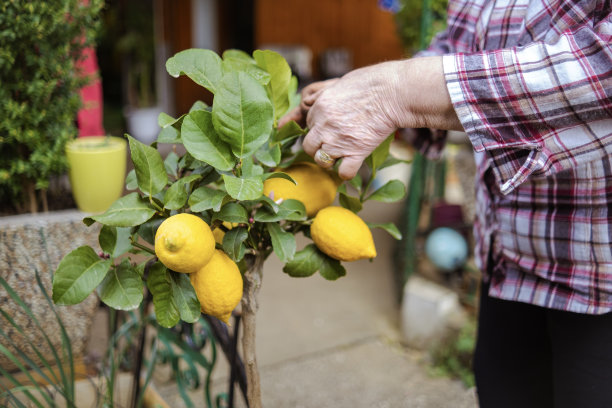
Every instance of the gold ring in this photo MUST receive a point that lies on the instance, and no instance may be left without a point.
(322, 157)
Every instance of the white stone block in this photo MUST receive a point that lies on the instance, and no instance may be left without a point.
(428, 310)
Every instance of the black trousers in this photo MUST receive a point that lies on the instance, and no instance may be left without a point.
(528, 356)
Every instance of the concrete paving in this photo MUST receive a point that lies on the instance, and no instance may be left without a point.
(337, 344)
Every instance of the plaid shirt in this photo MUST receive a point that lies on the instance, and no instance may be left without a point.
(531, 82)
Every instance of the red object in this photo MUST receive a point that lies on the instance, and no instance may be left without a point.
(89, 117)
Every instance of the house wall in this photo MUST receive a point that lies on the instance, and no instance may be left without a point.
(361, 26)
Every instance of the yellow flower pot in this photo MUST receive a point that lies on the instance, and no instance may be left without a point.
(97, 171)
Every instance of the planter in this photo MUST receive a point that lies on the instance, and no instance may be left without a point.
(36, 243)
(142, 123)
(97, 171)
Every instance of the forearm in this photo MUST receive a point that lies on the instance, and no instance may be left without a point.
(417, 95)
(351, 117)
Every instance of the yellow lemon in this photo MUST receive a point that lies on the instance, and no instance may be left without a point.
(315, 188)
(184, 243)
(342, 234)
(218, 286)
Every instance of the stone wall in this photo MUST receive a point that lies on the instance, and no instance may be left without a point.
(30, 243)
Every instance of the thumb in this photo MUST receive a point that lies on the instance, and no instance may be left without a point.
(349, 166)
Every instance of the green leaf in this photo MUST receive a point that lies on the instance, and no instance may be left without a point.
(391, 161)
(280, 73)
(379, 155)
(184, 297)
(270, 155)
(232, 212)
(279, 174)
(149, 166)
(202, 141)
(269, 203)
(242, 113)
(171, 164)
(148, 229)
(233, 243)
(305, 262)
(294, 96)
(159, 283)
(247, 188)
(164, 120)
(130, 180)
(291, 130)
(392, 191)
(250, 169)
(128, 211)
(331, 269)
(77, 275)
(283, 242)
(204, 198)
(390, 228)
(202, 66)
(176, 195)
(115, 241)
(122, 287)
(234, 53)
(199, 105)
(291, 210)
(350, 202)
(249, 67)
(356, 182)
(169, 135)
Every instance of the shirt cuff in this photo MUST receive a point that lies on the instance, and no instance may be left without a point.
(512, 157)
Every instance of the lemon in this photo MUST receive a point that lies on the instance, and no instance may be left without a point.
(184, 243)
(342, 234)
(218, 286)
(315, 188)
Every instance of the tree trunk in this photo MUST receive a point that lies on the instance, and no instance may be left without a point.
(31, 197)
(252, 284)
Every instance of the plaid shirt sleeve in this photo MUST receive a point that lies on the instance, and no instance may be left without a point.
(539, 108)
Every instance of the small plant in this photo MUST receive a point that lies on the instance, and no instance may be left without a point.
(40, 44)
(453, 357)
(24, 351)
(418, 21)
(137, 48)
(234, 152)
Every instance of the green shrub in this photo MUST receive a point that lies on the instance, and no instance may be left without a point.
(40, 42)
(453, 358)
(418, 21)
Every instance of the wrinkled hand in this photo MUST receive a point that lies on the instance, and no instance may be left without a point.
(309, 95)
(353, 115)
(349, 118)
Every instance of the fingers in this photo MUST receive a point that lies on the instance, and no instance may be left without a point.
(323, 159)
(349, 167)
(311, 142)
(309, 95)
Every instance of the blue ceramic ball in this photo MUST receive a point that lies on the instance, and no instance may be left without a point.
(446, 248)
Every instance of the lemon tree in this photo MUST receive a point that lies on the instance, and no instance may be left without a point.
(234, 172)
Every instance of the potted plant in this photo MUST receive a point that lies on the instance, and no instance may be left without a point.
(137, 49)
(97, 171)
(235, 178)
(39, 98)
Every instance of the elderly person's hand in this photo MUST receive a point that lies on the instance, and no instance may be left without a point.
(351, 116)
(309, 95)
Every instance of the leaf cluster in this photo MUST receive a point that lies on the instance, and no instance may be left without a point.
(227, 151)
(418, 21)
(40, 44)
